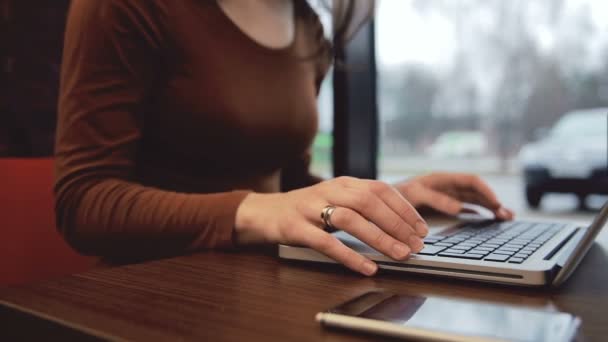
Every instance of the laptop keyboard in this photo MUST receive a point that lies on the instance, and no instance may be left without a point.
(510, 241)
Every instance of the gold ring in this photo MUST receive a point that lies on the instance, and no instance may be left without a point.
(326, 217)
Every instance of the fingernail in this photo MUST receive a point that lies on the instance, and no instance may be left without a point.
(369, 268)
(400, 251)
(511, 213)
(503, 213)
(416, 243)
(421, 228)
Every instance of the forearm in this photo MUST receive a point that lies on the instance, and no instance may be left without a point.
(119, 218)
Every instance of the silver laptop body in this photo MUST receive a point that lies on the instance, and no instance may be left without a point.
(551, 263)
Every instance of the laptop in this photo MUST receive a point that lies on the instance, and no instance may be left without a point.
(524, 253)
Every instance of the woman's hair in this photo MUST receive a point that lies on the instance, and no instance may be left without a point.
(347, 17)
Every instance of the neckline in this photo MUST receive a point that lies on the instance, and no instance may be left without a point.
(251, 41)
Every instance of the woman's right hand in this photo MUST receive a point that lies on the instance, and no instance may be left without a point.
(373, 211)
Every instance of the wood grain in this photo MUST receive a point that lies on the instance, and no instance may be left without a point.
(252, 295)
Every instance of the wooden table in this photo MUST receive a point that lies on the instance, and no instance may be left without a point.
(252, 295)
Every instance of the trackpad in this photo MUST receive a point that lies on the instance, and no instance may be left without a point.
(354, 243)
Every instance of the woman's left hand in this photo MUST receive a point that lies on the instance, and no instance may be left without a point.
(446, 192)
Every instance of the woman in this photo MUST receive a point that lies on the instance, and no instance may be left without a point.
(187, 124)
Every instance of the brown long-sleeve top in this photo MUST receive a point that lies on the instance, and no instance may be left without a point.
(169, 116)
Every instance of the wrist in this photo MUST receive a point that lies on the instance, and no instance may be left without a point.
(249, 225)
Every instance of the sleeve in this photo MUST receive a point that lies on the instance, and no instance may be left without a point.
(112, 57)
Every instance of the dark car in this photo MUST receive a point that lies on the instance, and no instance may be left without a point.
(572, 158)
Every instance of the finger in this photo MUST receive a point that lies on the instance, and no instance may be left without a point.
(474, 197)
(511, 213)
(329, 245)
(355, 224)
(488, 197)
(500, 212)
(470, 196)
(373, 209)
(504, 213)
(439, 201)
(394, 200)
(467, 196)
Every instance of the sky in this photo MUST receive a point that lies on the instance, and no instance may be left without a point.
(404, 35)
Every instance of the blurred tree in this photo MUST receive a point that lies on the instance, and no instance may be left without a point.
(513, 66)
(415, 94)
(549, 100)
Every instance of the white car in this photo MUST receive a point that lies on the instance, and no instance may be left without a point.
(572, 158)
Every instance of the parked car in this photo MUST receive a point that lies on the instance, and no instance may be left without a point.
(459, 144)
(572, 158)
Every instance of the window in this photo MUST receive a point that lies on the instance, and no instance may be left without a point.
(465, 85)
(321, 164)
(322, 147)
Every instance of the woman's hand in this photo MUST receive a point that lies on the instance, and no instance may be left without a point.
(374, 212)
(446, 192)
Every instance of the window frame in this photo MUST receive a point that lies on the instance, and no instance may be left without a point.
(355, 132)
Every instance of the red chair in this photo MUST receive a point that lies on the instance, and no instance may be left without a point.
(31, 248)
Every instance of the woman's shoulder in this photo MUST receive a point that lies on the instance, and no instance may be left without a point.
(147, 19)
(120, 10)
(116, 5)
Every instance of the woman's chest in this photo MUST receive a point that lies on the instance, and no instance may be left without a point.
(223, 95)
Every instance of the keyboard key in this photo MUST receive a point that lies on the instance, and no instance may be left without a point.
(509, 253)
(451, 240)
(462, 236)
(474, 256)
(512, 249)
(444, 244)
(455, 251)
(433, 238)
(431, 250)
(466, 245)
(476, 251)
(516, 260)
(496, 257)
(462, 256)
(490, 245)
(521, 255)
(482, 248)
